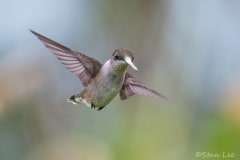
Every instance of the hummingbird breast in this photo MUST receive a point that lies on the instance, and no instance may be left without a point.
(105, 86)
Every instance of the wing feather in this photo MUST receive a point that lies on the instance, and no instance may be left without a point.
(132, 86)
(80, 64)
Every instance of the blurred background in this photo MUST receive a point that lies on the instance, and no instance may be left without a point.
(186, 50)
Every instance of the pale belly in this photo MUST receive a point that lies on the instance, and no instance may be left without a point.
(103, 92)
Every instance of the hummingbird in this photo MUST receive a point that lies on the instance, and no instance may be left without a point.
(102, 82)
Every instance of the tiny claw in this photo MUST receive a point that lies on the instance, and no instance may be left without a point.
(100, 108)
(93, 106)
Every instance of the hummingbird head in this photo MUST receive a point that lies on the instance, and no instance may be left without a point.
(122, 58)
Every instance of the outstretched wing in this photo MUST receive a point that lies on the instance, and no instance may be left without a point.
(132, 86)
(83, 66)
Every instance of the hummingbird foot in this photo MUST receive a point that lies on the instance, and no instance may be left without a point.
(94, 107)
(100, 108)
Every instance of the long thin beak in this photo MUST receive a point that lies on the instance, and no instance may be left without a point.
(129, 61)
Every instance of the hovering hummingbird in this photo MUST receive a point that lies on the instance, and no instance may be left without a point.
(101, 82)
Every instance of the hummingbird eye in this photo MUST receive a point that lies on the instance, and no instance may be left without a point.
(116, 57)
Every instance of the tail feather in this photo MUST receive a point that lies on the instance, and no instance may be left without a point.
(72, 99)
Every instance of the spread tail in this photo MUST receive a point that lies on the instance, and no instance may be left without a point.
(72, 99)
